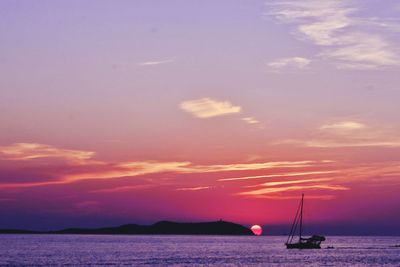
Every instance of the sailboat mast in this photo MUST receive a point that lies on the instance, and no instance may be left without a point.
(301, 216)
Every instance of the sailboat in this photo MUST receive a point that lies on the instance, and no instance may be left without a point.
(302, 243)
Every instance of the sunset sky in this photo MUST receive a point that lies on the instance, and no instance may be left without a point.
(117, 112)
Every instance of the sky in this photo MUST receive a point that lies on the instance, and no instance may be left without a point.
(117, 112)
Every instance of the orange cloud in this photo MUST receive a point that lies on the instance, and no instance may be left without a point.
(321, 143)
(385, 173)
(136, 168)
(27, 151)
(278, 175)
(288, 197)
(268, 184)
(81, 166)
(265, 191)
(347, 134)
(123, 188)
(250, 120)
(255, 166)
(343, 125)
(129, 169)
(195, 188)
(207, 108)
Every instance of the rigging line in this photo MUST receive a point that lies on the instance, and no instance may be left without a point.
(295, 228)
(296, 222)
(294, 225)
(301, 217)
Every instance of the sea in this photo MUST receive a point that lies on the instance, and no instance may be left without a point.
(153, 250)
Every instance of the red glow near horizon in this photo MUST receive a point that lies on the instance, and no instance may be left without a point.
(257, 230)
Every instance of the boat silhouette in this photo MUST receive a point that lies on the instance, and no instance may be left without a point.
(313, 242)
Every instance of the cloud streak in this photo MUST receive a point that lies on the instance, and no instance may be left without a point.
(346, 134)
(195, 188)
(293, 63)
(345, 39)
(125, 188)
(76, 165)
(290, 174)
(343, 125)
(138, 168)
(273, 190)
(207, 108)
(28, 151)
(155, 62)
(313, 176)
(250, 120)
(269, 184)
(319, 143)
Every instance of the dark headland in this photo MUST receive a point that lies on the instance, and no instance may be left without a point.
(159, 228)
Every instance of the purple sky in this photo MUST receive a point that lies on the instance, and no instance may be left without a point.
(136, 111)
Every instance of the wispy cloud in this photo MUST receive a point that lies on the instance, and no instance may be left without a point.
(346, 39)
(371, 174)
(320, 143)
(347, 134)
(75, 165)
(155, 62)
(195, 188)
(363, 51)
(273, 190)
(256, 166)
(250, 120)
(343, 125)
(278, 196)
(128, 169)
(290, 174)
(125, 188)
(208, 108)
(298, 63)
(313, 176)
(279, 183)
(254, 122)
(137, 168)
(27, 151)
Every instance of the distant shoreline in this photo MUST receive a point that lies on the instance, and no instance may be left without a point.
(159, 228)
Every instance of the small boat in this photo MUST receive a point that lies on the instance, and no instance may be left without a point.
(302, 243)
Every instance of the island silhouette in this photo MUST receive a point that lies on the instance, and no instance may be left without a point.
(158, 228)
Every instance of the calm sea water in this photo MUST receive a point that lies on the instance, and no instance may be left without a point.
(97, 250)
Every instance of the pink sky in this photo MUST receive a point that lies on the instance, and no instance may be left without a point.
(137, 112)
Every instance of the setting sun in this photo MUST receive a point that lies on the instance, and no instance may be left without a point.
(257, 230)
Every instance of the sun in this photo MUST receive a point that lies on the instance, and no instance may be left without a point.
(257, 230)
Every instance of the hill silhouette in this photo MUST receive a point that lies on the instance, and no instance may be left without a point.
(159, 228)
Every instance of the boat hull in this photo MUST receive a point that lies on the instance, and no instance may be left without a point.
(302, 246)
